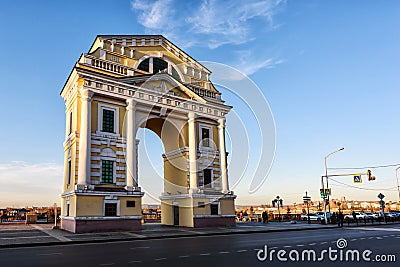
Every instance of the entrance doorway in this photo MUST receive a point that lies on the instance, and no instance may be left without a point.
(175, 211)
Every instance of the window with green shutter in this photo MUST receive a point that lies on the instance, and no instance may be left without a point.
(108, 121)
(107, 171)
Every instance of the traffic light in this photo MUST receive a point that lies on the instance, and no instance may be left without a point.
(322, 192)
(370, 176)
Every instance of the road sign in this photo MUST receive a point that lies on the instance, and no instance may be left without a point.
(357, 179)
(328, 191)
(381, 196)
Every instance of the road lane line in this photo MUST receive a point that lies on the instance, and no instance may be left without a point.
(205, 254)
(160, 259)
(312, 244)
(52, 233)
(184, 256)
(323, 243)
(133, 234)
(135, 262)
(300, 245)
(107, 264)
(242, 250)
(354, 239)
(287, 246)
(379, 238)
(50, 254)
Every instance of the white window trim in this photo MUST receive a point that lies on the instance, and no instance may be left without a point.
(100, 109)
(114, 169)
(67, 208)
(211, 139)
(111, 201)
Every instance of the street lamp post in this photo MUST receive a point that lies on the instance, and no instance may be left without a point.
(278, 201)
(306, 200)
(327, 183)
(397, 179)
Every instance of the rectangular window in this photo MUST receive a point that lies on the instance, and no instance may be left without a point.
(207, 178)
(201, 205)
(205, 137)
(214, 209)
(130, 204)
(107, 171)
(108, 121)
(69, 172)
(67, 210)
(110, 209)
(70, 122)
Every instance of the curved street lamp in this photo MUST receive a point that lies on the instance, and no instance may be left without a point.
(327, 183)
(397, 179)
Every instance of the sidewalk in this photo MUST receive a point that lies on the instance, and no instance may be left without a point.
(21, 235)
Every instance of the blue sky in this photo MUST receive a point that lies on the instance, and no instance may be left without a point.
(329, 70)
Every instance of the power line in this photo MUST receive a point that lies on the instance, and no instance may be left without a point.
(367, 167)
(363, 188)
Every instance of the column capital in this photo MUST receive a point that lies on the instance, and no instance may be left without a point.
(221, 122)
(131, 104)
(86, 94)
(192, 115)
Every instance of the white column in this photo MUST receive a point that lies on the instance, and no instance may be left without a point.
(84, 138)
(131, 168)
(222, 155)
(192, 153)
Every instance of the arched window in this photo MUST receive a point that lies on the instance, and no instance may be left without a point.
(175, 74)
(159, 65)
(144, 65)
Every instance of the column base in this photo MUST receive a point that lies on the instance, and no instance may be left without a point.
(214, 221)
(100, 224)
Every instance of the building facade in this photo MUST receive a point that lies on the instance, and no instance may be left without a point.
(129, 82)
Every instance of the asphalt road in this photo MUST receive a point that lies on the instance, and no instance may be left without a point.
(231, 250)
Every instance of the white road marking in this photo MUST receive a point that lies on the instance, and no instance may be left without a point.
(322, 243)
(52, 233)
(205, 254)
(140, 248)
(160, 259)
(50, 254)
(135, 261)
(184, 256)
(378, 237)
(312, 244)
(300, 245)
(242, 250)
(107, 264)
(354, 239)
(385, 236)
(377, 229)
(133, 234)
(362, 238)
(224, 252)
(287, 246)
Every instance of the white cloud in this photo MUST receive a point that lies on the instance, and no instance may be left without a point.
(211, 23)
(154, 16)
(249, 63)
(24, 183)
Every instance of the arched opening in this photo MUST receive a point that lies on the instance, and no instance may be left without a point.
(158, 172)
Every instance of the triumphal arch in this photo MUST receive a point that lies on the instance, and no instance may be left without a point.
(127, 82)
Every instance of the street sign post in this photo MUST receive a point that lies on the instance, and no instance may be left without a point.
(357, 179)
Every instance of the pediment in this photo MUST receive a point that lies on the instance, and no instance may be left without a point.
(164, 84)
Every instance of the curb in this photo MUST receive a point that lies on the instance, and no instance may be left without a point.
(97, 241)
(107, 240)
